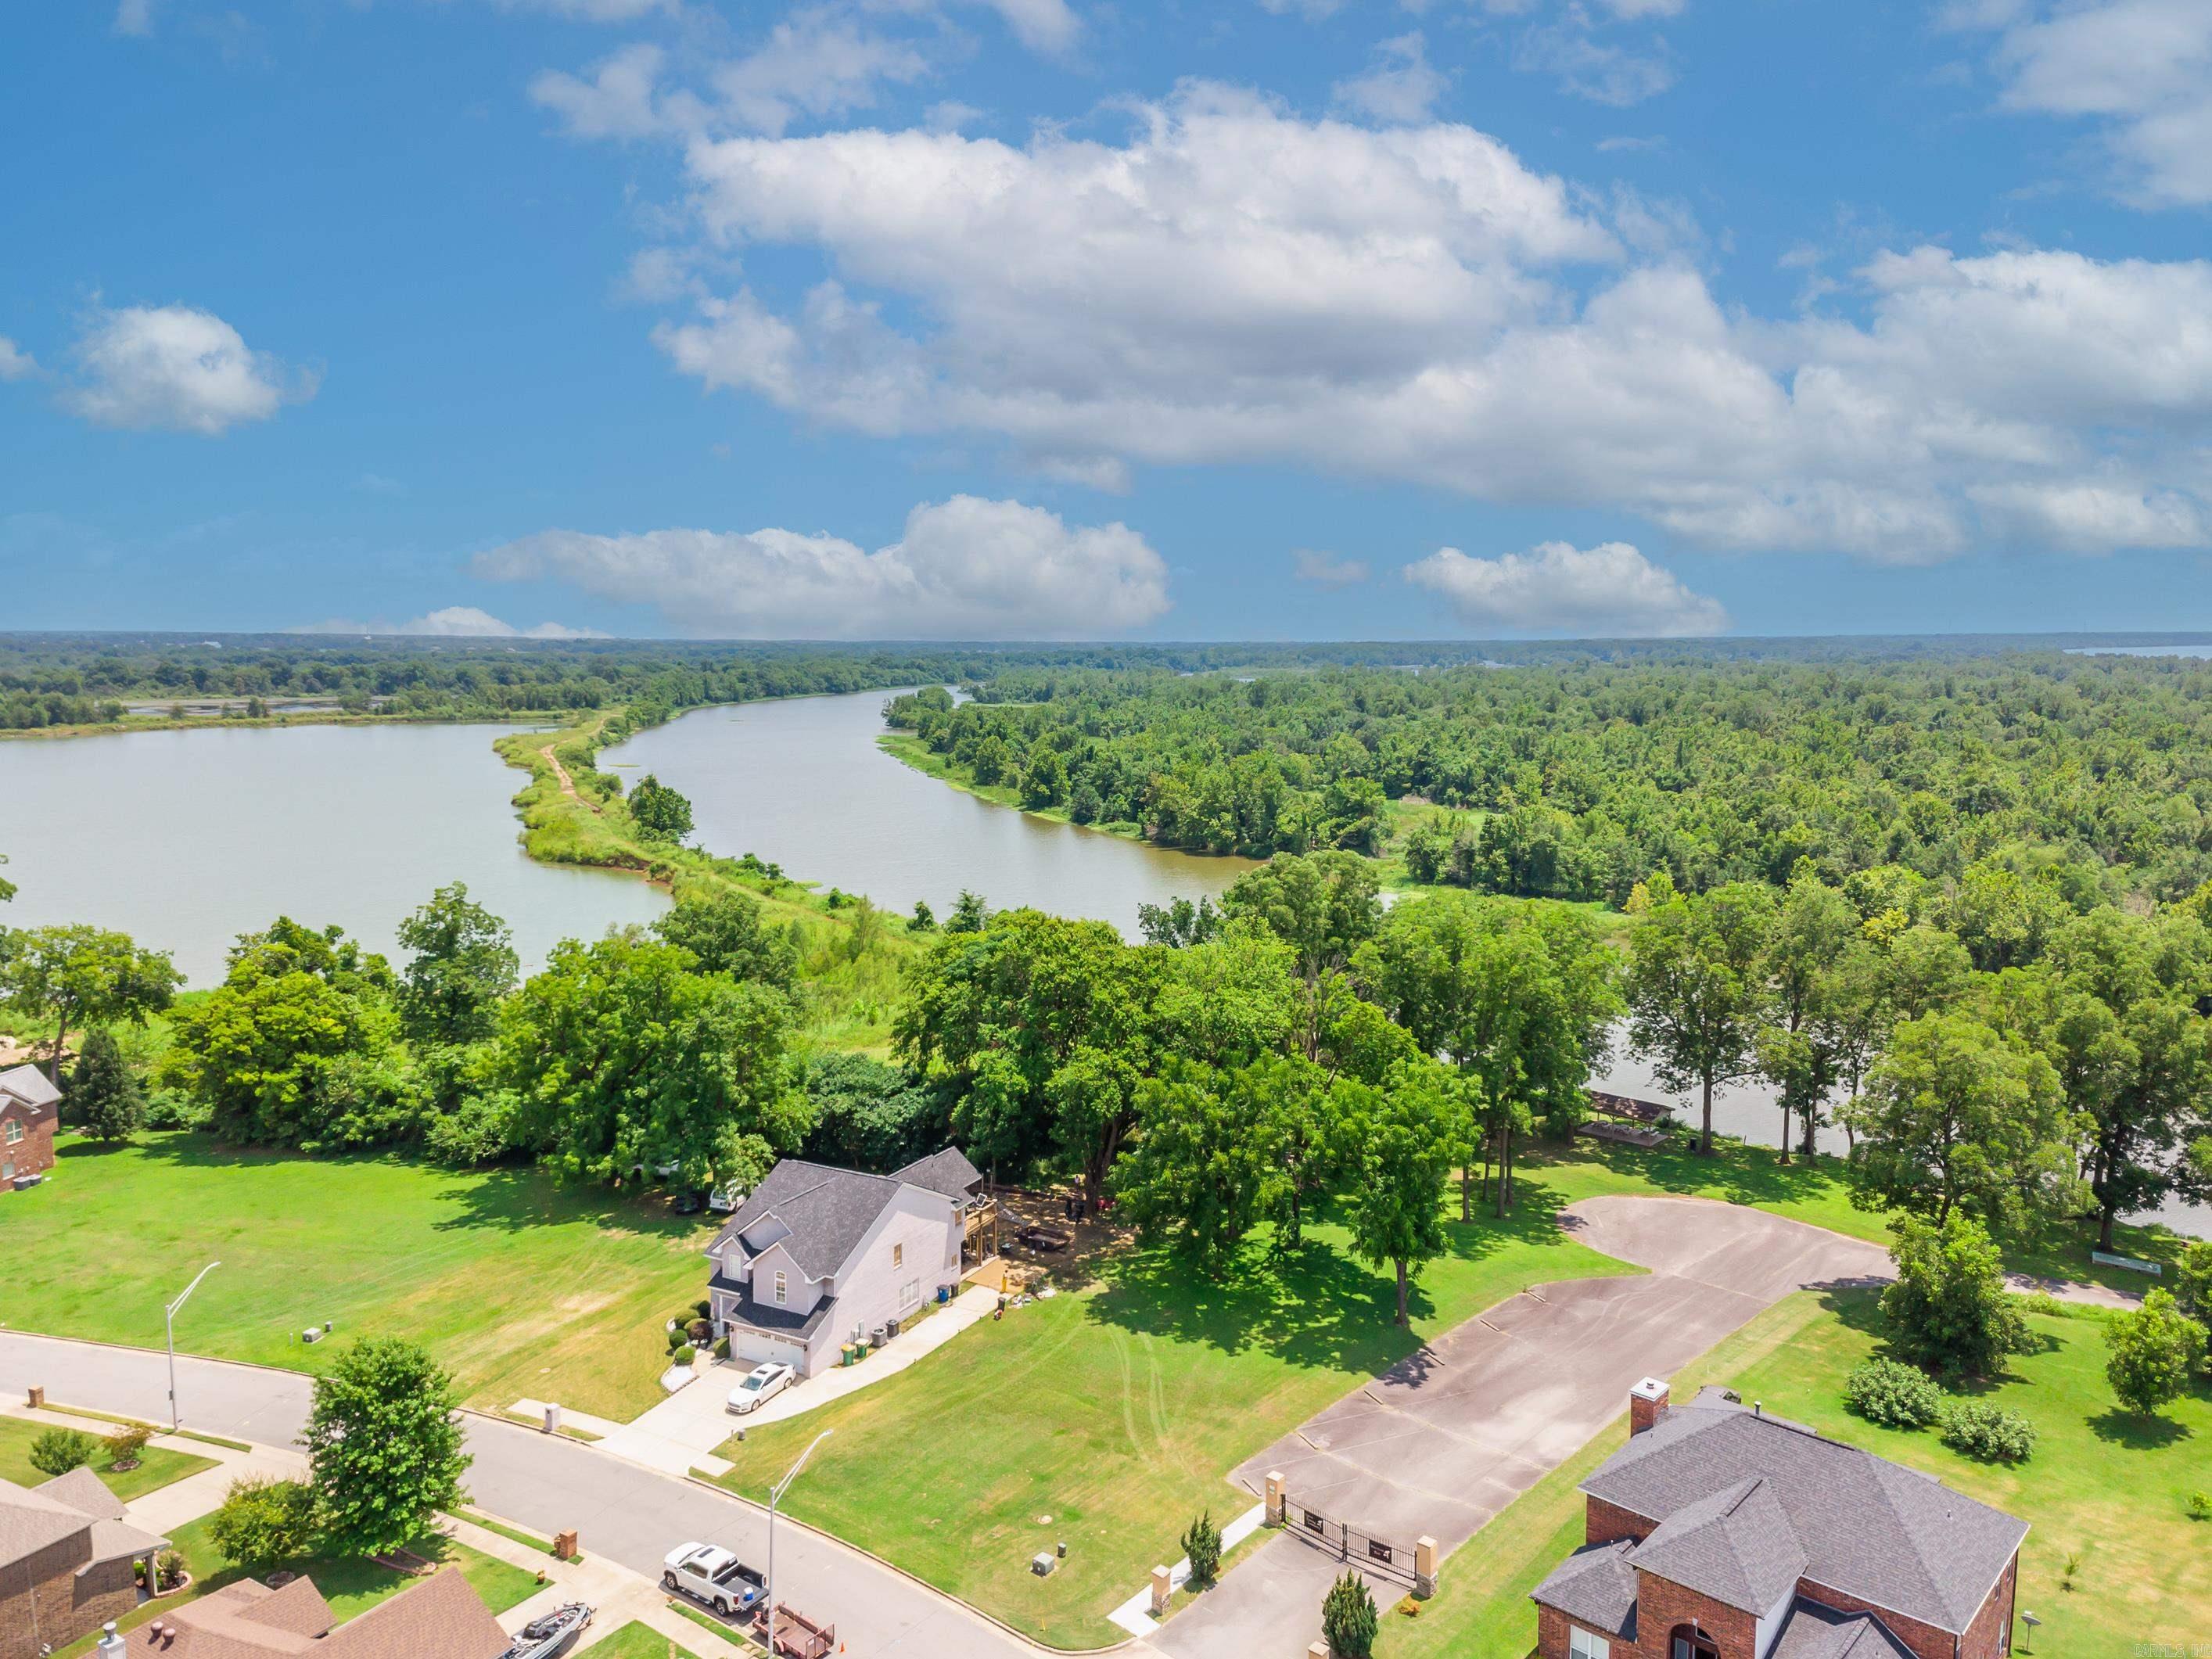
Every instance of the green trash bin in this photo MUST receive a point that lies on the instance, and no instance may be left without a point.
(846, 1355)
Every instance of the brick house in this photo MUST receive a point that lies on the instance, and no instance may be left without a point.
(68, 1562)
(1719, 1532)
(440, 1617)
(30, 1106)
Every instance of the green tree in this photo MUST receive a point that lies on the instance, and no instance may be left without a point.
(661, 813)
(1202, 1543)
(263, 1521)
(924, 919)
(1323, 905)
(1804, 1045)
(727, 932)
(1697, 989)
(57, 1451)
(1180, 922)
(104, 1097)
(620, 1057)
(1401, 1137)
(968, 913)
(1348, 1619)
(1956, 1117)
(2155, 1350)
(1196, 1165)
(1950, 1308)
(1043, 1027)
(75, 976)
(385, 1445)
(868, 1116)
(464, 962)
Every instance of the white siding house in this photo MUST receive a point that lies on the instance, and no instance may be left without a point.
(816, 1256)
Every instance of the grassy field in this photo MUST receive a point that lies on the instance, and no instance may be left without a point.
(157, 1468)
(1118, 1412)
(2105, 1491)
(351, 1585)
(521, 1285)
(637, 1640)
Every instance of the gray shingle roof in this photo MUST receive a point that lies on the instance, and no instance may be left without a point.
(765, 1316)
(30, 1086)
(1812, 1632)
(827, 1209)
(1871, 1528)
(1736, 1546)
(1595, 1587)
(948, 1172)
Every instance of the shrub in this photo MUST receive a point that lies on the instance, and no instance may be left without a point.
(1896, 1396)
(1202, 1544)
(677, 1339)
(264, 1521)
(700, 1330)
(682, 1356)
(721, 1347)
(704, 1309)
(126, 1446)
(57, 1451)
(1950, 1308)
(2154, 1349)
(168, 1572)
(1348, 1619)
(2199, 1506)
(173, 1109)
(1988, 1432)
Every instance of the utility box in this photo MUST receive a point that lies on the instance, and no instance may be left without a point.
(552, 1419)
(1043, 1563)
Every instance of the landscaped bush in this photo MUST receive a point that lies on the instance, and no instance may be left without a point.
(1988, 1432)
(169, 1572)
(1202, 1544)
(699, 1331)
(721, 1347)
(682, 1356)
(57, 1451)
(1896, 1396)
(705, 1310)
(264, 1521)
(1348, 1619)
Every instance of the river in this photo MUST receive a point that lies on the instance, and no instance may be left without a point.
(186, 839)
(801, 783)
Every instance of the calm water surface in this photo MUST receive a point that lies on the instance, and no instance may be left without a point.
(801, 783)
(186, 839)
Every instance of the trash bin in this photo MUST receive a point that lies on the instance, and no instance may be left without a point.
(944, 1294)
(846, 1355)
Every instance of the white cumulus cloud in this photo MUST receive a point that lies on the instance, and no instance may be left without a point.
(2143, 69)
(458, 622)
(965, 568)
(176, 368)
(1610, 590)
(1400, 83)
(1233, 283)
(15, 362)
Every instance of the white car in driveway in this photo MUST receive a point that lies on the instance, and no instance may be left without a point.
(712, 1575)
(763, 1383)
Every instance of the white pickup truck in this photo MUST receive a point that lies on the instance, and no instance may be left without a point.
(711, 1574)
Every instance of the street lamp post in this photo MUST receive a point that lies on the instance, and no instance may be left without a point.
(176, 1421)
(775, 1497)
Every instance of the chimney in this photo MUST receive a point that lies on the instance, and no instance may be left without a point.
(110, 1646)
(1647, 1404)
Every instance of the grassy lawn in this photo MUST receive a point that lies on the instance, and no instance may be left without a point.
(156, 1467)
(638, 1640)
(2104, 1490)
(351, 1585)
(1118, 1410)
(521, 1285)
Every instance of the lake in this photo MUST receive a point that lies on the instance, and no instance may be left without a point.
(185, 840)
(801, 783)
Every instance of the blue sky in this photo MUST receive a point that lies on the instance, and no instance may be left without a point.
(1072, 319)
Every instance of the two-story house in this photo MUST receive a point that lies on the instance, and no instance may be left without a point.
(29, 1108)
(816, 1256)
(1719, 1532)
(68, 1562)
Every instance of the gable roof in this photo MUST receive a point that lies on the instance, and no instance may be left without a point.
(1597, 1587)
(948, 1172)
(1812, 1632)
(1736, 1546)
(828, 1211)
(75, 1505)
(32, 1520)
(83, 1492)
(1870, 1529)
(28, 1085)
(436, 1618)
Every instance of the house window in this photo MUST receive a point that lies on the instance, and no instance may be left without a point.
(909, 1294)
(782, 1290)
(14, 1132)
(898, 1255)
(1688, 1642)
(1583, 1645)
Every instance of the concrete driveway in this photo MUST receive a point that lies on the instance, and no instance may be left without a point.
(1448, 1437)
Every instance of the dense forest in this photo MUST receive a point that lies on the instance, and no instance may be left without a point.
(2083, 776)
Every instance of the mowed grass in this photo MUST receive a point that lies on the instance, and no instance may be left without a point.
(157, 1466)
(1119, 1410)
(2105, 1490)
(521, 1285)
(351, 1584)
(638, 1640)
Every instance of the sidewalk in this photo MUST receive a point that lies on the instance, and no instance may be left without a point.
(164, 1510)
(681, 1433)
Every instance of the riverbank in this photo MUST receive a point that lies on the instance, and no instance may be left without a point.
(910, 750)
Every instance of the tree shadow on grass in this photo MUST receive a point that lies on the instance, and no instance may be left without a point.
(1738, 1172)
(2137, 1432)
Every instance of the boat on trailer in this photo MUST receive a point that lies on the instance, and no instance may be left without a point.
(542, 1638)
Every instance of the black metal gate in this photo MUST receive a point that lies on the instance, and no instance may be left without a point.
(1348, 1544)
